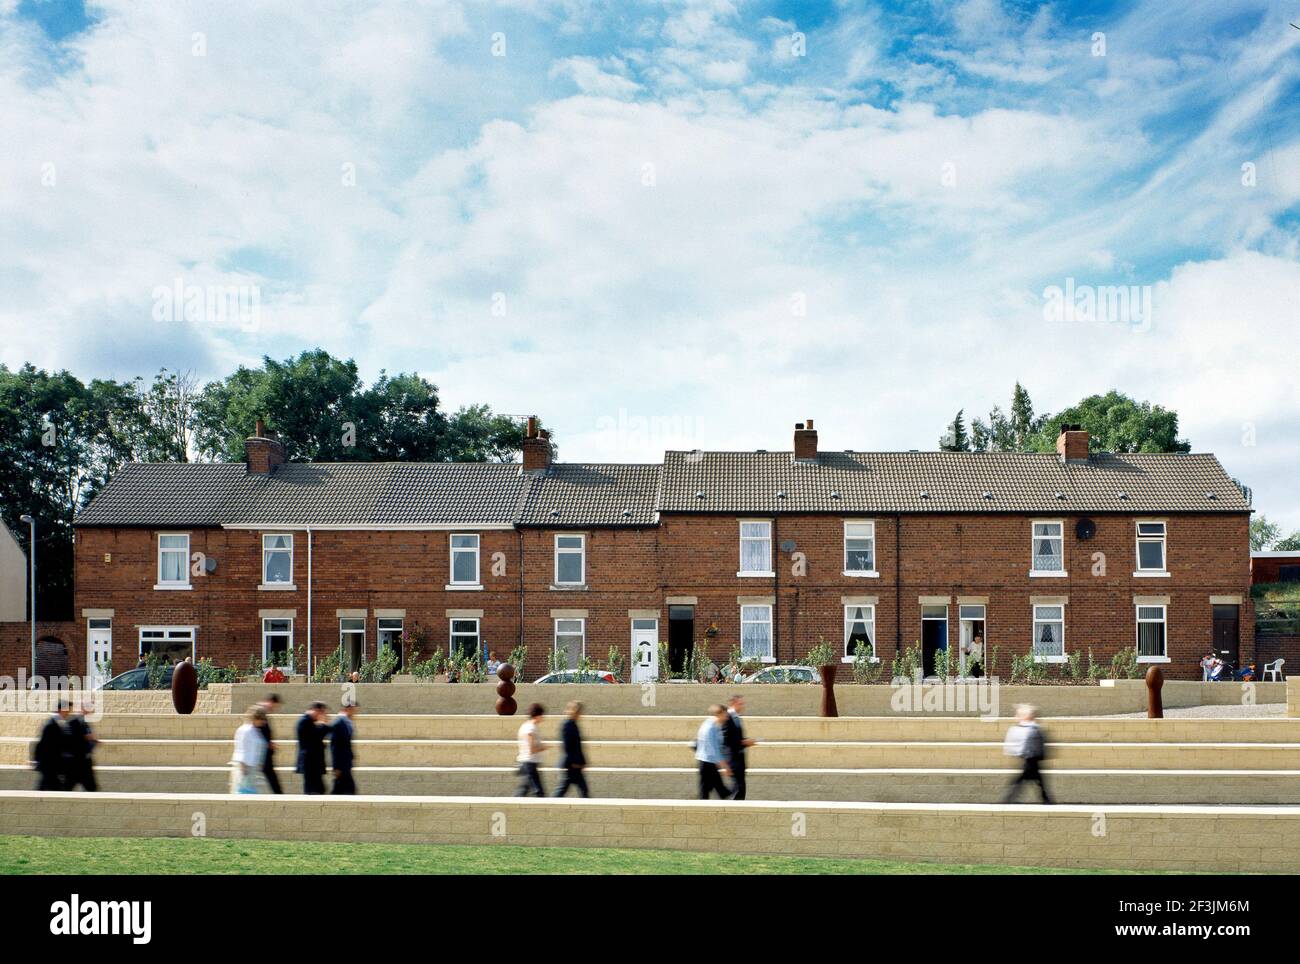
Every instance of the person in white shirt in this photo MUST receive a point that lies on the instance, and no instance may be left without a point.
(1025, 740)
(710, 756)
(250, 753)
(531, 749)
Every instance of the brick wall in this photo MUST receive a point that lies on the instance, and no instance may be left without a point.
(951, 556)
(16, 645)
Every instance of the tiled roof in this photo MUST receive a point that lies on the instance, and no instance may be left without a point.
(839, 482)
(570, 494)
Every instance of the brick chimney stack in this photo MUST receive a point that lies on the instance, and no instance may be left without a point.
(263, 451)
(536, 448)
(805, 442)
(1072, 443)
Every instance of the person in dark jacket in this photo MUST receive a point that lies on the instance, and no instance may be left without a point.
(271, 703)
(1026, 741)
(572, 760)
(734, 744)
(312, 731)
(52, 748)
(81, 744)
(341, 757)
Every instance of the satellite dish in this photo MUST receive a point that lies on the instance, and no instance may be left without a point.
(209, 564)
(1085, 529)
(787, 545)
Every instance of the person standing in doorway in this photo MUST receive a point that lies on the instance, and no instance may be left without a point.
(572, 760)
(1026, 741)
(975, 656)
(52, 748)
(81, 744)
(342, 758)
(735, 743)
(312, 732)
(709, 754)
(531, 748)
(270, 703)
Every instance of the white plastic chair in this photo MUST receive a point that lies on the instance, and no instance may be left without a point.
(1275, 669)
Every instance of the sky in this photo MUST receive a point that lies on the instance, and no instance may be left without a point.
(675, 225)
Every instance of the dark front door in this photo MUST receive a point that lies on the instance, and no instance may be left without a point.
(1226, 638)
(681, 636)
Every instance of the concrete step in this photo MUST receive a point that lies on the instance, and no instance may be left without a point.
(907, 785)
(625, 753)
(682, 728)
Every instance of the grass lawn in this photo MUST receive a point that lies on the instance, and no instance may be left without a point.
(170, 855)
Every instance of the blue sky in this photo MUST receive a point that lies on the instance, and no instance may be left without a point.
(675, 225)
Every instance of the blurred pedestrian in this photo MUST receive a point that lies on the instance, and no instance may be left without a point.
(572, 759)
(1026, 741)
(51, 749)
(341, 755)
(270, 703)
(81, 746)
(735, 743)
(709, 754)
(312, 732)
(250, 751)
(531, 748)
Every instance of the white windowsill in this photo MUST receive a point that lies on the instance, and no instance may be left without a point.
(1151, 574)
(174, 586)
(850, 659)
(1051, 659)
(767, 659)
(463, 587)
(1154, 659)
(861, 573)
(568, 587)
(1047, 574)
(770, 574)
(276, 587)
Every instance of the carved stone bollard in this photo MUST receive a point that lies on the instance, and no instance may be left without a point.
(829, 708)
(1155, 680)
(506, 705)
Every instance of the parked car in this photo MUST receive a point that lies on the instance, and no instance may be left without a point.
(138, 679)
(785, 674)
(578, 676)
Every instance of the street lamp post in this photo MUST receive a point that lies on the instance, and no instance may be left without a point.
(31, 548)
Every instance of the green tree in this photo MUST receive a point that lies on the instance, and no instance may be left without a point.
(1116, 423)
(1263, 533)
(956, 439)
(1290, 544)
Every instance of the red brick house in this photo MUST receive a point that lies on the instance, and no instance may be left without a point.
(770, 551)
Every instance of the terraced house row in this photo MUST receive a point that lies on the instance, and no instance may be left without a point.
(771, 551)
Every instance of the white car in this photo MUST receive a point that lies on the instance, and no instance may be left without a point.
(785, 674)
(578, 676)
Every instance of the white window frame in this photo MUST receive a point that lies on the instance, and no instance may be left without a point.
(266, 584)
(741, 571)
(556, 634)
(453, 550)
(184, 582)
(1139, 622)
(266, 632)
(452, 634)
(767, 608)
(1033, 556)
(1033, 639)
(1163, 539)
(580, 551)
(873, 572)
(848, 656)
(170, 632)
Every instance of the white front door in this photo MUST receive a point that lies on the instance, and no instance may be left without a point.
(645, 650)
(99, 651)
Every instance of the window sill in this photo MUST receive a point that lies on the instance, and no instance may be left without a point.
(861, 573)
(1051, 659)
(1151, 574)
(850, 659)
(568, 587)
(770, 574)
(174, 586)
(463, 587)
(1154, 659)
(1044, 574)
(767, 659)
(276, 587)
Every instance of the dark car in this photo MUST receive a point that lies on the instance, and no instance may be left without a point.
(138, 679)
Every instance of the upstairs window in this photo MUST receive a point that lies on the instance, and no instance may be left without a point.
(1048, 548)
(755, 549)
(464, 560)
(1151, 546)
(173, 559)
(277, 560)
(859, 548)
(570, 560)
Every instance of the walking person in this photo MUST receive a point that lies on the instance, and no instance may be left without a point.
(51, 749)
(531, 748)
(250, 751)
(341, 755)
(572, 760)
(270, 703)
(734, 744)
(1026, 740)
(312, 732)
(709, 754)
(81, 744)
